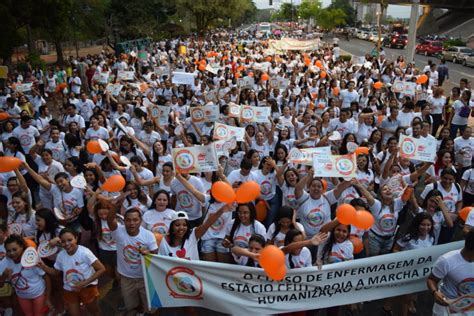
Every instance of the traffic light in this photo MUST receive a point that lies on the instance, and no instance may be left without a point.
(270, 2)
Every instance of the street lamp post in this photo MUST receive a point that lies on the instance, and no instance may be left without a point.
(412, 30)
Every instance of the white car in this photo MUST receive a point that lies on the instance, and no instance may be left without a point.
(468, 60)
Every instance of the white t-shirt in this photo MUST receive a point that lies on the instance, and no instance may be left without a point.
(437, 104)
(348, 126)
(458, 120)
(218, 228)
(347, 97)
(408, 243)
(466, 146)
(106, 242)
(58, 149)
(450, 198)
(385, 220)
(267, 184)
(468, 176)
(289, 198)
(302, 260)
(279, 239)
(456, 274)
(27, 282)
(243, 232)
(67, 202)
(185, 200)
(313, 214)
(158, 222)
(76, 267)
(189, 251)
(100, 133)
(26, 136)
(236, 177)
(129, 261)
(339, 252)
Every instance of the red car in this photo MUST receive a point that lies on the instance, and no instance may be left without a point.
(429, 48)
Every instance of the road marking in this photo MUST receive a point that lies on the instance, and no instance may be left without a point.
(465, 74)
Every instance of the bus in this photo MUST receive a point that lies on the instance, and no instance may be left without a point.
(264, 28)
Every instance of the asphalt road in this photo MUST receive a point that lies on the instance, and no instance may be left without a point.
(360, 48)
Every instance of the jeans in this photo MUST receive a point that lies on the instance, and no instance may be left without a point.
(378, 245)
(275, 204)
(455, 128)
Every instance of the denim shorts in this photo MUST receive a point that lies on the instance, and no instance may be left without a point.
(213, 245)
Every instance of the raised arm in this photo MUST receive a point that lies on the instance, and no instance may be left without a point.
(39, 179)
(242, 252)
(340, 187)
(198, 194)
(315, 241)
(21, 181)
(368, 196)
(202, 229)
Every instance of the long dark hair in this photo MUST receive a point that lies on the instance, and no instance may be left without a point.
(172, 236)
(283, 212)
(236, 224)
(331, 241)
(98, 223)
(290, 236)
(161, 191)
(413, 232)
(432, 193)
(51, 223)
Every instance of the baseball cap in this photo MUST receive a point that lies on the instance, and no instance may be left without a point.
(179, 215)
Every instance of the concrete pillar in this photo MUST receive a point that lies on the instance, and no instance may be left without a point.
(412, 30)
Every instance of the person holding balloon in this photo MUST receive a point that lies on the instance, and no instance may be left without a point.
(297, 255)
(249, 256)
(285, 220)
(266, 179)
(244, 225)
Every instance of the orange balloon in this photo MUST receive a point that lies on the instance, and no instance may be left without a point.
(335, 91)
(362, 151)
(307, 61)
(265, 77)
(363, 220)
(115, 183)
(325, 185)
(225, 57)
(158, 238)
(29, 242)
(422, 79)
(269, 59)
(202, 67)
(378, 85)
(237, 75)
(250, 74)
(323, 74)
(93, 147)
(261, 209)
(247, 192)
(223, 192)
(276, 274)
(346, 214)
(271, 257)
(8, 164)
(318, 64)
(202, 62)
(464, 212)
(4, 116)
(357, 243)
(407, 193)
(210, 54)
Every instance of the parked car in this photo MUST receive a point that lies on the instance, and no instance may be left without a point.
(468, 60)
(429, 48)
(396, 41)
(456, 53)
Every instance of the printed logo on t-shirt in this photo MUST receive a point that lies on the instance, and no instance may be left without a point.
(387, 223)
(466, 286)
(73, 277)
(184, 199)
(25, 140)
(266, 188)
(315, 217)
(19, 282)
(218, 225)
(131, 255)
(241, 241)
(159, 228)
(107, 237)
(336, 257)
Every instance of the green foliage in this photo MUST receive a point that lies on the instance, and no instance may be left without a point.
(330, 18)
(287, 12)
(454, 42)
(347, 9)
(345, 57)
(309, 9)
(35, 60)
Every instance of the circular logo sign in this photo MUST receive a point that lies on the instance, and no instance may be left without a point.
(198, 115)
(247, 113)
(345, 165)
(408, 147)
(221, 132)
(184, 160)
(184, 283)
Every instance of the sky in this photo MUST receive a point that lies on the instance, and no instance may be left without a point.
(397, 11)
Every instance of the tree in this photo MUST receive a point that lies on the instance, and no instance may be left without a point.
(309, 9)
(368, 18)
(287, 12)
(347, 9)
(330, 18)
(208, 13)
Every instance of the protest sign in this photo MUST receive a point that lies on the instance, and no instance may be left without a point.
(162, 71)
(279, 83)
(421, 149)
(162, 113)
(101, 77)
(226, 132)
(234, 110)
(114, 89)
(255, 114)
(207, 113)
(223, 147)
(405, 87)
(242, 290)
(334, 166)
(125, 75)
(304, 156)
(246, 82)
(358, 60)
(183, 78)
(195, 159)
(23, 87)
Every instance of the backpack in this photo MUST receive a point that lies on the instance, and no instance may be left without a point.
(458, 187)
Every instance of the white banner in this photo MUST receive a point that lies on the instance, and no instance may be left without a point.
(242, 290)
(101, 77)
(114, 89)
(222, 131)
(23, 87)
(246, 83)
(255, 114)
(304, 156)
(126, 75)
(183, 78)
(279, 83)
(423, 149)
(207, 113)
(334, 166)
(405, 87)
(162, 71)
(162, 113)
(195, 159)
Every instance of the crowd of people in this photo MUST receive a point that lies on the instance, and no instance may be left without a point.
(322, 100)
